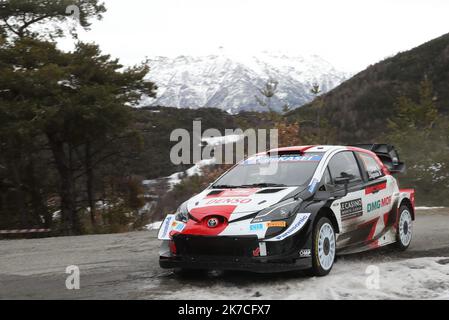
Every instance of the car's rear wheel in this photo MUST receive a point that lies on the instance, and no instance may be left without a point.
(405, 228)
(324, 247)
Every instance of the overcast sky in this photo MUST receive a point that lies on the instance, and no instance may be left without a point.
(351, 34)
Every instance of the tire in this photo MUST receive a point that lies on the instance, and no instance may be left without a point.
(405, 228)
(323, 248)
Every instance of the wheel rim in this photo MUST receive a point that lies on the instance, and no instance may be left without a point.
(326, 246)
(405, 227)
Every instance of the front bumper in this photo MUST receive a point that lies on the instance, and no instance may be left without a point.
(236, 253)
(208, 263)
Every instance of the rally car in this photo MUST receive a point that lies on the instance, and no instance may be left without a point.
(292, 208)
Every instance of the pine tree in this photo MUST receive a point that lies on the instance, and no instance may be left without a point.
(47, 19)
(268, 92)
(74, 105)
(420, 115)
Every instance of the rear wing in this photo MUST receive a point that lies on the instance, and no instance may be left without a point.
(387, 154)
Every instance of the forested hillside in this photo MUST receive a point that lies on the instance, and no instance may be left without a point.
(359, 107)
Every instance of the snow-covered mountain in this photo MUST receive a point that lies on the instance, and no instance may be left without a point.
(231, 82)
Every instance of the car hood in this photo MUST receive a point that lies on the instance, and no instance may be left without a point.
(235, 203)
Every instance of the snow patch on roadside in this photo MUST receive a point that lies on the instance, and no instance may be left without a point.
(421, 278)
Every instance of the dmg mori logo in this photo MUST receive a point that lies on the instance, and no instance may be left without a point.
(212, 222)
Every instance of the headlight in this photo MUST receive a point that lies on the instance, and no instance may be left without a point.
(279, 211)
(182, 214)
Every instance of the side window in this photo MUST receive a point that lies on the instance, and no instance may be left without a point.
(372, 168)
(344, 164)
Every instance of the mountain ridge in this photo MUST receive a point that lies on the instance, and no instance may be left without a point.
(230, 82)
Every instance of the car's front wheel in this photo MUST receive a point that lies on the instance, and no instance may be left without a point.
(405, 228)
(324, 247)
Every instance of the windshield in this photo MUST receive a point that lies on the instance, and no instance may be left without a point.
(266, 171)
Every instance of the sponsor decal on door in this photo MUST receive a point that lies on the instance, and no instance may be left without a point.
(375, 205)
(351, 209)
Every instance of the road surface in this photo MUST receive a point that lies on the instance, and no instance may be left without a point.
(125, 266)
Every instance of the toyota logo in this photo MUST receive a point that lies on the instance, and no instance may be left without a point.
(212, 222)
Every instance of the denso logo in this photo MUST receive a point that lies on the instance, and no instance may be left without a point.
(379, 204)
(229, 201)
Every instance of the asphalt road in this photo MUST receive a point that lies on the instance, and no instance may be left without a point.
(125, 266)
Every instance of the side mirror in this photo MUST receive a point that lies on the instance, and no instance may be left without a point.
(342, 181)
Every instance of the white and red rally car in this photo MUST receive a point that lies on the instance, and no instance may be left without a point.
(292, 208)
